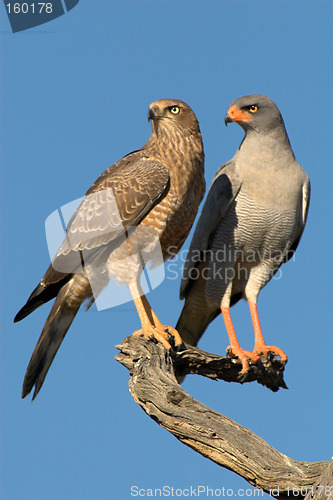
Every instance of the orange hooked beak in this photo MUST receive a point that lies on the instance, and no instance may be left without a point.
(235, 114)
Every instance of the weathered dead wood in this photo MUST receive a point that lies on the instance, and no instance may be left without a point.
(323, 487)
(154, 387)
(267, 372)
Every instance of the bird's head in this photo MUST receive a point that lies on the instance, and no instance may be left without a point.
(254, 112)
(172, 114)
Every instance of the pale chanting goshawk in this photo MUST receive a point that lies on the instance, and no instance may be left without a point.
(251, 223)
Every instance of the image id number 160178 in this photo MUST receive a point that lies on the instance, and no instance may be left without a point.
(31, 8)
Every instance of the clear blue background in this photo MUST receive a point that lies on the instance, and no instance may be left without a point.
(75, 94)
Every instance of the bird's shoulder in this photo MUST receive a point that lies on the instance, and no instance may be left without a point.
(138, 167)
(129, 188)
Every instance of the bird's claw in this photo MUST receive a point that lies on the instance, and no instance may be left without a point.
(166, 335)
(266, 350)
(254, 356)
(243, 356)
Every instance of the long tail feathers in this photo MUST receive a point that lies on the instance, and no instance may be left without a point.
(56, 326)
(192, 323)
(197, 315)
(41, 295)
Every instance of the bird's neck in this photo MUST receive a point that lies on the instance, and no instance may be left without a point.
(265, 148)
(176, 146)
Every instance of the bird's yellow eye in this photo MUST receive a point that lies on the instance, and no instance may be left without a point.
(253, 109)
(175, 110)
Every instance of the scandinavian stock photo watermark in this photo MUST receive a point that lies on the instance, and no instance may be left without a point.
(225, 263)
(90, 235)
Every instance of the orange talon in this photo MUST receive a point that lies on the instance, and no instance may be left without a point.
(161, 335)
(264, 350)
(234, 352)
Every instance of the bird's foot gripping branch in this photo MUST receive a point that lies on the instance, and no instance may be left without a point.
(153, 384)
(186, 359)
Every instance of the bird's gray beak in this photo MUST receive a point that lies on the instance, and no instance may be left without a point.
(151, 114)
(227, 119)
(154, 112)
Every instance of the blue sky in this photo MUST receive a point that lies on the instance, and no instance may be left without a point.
(74, 99)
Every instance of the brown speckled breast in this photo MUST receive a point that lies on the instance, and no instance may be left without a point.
(173, 217)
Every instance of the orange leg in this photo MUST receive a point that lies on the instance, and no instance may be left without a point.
(151, 325)
(260, 346)
(235, 350)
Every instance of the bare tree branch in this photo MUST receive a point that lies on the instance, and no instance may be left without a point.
(323, 487)
(268, 372)
(153, 385)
